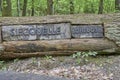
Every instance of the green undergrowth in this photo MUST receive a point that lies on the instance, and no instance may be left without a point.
(82, 57)
(3, 65)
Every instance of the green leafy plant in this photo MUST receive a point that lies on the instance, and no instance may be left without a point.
(82, 56)
(34, 60)
(48, 57)
(2, 65)
(16, 60)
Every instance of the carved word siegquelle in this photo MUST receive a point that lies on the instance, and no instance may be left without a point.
(35, 31)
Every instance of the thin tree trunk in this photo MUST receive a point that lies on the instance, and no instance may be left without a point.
(18, 7)
(56, 7)
(71, 7)
(117, 4)
(32, 14)
(101, 7)
(0, 5)
(24, 8)
(7, 10)
(86, 6)
(50, 7)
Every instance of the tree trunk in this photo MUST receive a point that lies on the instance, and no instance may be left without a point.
(86, 10)
(71, 7)
(50, 7)
(117, 4)
(7, 10)
(18, 7)
(100, 7)
(32, 14)
(0, 5)
(24, 8)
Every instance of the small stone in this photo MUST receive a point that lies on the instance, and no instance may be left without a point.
(118, 43)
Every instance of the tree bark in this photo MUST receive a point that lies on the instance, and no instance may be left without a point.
(32, 14)
(7, 9)
(101, 7)
(117, 4)
(58, 45)
(10, 55)
(24, 8)
(50, 7)
(71, 7)
(18, 7)
(22, 49)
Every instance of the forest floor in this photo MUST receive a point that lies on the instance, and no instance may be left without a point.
(95, 68)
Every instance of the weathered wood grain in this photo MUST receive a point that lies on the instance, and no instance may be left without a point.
(87, 31)
(58, 45)
(0, 34)
(18, 32)
(36, 32)
(11, 55)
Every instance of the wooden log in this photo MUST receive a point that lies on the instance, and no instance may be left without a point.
(24, 49)
(58, 45)
(10, 55)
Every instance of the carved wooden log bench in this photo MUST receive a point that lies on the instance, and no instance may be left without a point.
(59, 35)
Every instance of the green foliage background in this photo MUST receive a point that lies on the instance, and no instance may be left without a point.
(62, 7)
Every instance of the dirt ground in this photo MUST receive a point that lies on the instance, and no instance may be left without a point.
(95, 68)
